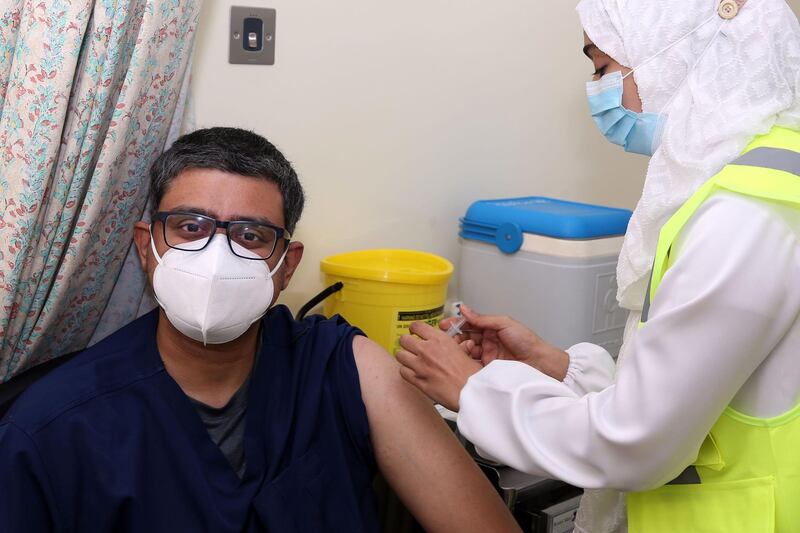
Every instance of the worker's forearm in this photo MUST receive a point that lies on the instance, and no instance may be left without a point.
(550, 360)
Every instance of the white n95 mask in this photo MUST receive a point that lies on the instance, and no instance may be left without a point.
(211, 295)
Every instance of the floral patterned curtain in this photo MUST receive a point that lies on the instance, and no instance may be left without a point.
(88, 93)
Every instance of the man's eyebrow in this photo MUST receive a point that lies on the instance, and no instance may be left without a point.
(194, 210)
(588, 49)
(249, 218)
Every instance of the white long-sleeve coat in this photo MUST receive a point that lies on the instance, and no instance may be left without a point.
(723, 329)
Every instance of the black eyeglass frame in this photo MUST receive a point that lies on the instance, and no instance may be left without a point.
(280, 233)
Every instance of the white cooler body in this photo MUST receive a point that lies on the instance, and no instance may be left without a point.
(565, 290)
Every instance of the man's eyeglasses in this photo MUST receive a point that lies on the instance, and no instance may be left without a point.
(192, 232)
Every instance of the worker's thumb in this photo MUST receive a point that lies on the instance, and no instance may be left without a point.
(479, 321)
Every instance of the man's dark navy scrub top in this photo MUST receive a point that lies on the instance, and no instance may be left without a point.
(108, 442)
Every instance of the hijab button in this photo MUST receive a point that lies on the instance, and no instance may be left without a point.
(728, 9)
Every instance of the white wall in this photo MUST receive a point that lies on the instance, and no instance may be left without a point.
(398, 115)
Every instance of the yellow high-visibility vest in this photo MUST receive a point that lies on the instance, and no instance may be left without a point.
(746, 478)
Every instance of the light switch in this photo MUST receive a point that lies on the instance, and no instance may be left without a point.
(253, 28)
(252, 36)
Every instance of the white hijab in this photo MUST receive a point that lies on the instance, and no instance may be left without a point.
(725, 83)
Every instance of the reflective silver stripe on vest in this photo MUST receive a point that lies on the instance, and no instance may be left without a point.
(769, 158)
(772, 158)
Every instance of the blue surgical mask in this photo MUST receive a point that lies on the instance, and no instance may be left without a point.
(639, 133)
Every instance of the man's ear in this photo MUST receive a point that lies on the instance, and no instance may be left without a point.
(293, 256)
(141, 236)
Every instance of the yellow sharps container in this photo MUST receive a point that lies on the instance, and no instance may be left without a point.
(386, 290)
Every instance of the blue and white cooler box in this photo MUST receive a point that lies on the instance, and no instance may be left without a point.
(548, 263)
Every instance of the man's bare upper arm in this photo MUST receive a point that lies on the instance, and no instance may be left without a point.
(418, 454)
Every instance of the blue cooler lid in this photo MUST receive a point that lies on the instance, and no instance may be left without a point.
(503, 222)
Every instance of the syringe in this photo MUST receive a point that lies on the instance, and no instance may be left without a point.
(455, 328)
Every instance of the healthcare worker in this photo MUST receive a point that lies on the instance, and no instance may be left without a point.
(700, 430)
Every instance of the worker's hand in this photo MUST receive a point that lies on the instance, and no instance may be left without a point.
(487, 338)
(435, 364)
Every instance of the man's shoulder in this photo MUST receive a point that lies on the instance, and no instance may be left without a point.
(314, 349)
(280, 327)
(314, 358)
(122, 358)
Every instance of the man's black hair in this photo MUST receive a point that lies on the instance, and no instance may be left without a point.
(232, 150)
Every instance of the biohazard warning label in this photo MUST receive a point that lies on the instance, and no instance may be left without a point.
(406, 318)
